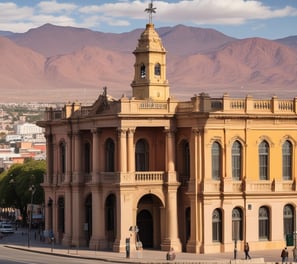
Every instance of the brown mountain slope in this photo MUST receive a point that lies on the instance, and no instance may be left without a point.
(91, 67)
(290, 41)
(19, 66)
(251, 66)
(51, 40)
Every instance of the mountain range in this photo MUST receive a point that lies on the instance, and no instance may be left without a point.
(58, 64)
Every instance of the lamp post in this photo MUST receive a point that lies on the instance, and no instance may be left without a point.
(32, 190)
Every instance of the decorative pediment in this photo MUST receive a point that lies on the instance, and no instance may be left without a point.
(103, 103)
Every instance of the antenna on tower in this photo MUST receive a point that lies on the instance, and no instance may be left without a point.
(150, 10)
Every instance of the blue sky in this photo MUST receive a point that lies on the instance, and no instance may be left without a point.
(269, 19)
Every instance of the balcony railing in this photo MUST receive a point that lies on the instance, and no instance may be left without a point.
(149, 176)
(210, 186)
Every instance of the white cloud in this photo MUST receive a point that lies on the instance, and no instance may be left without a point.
(54, 7)
(125, 13)
(218, 11)
(11, 12)
(195, 11)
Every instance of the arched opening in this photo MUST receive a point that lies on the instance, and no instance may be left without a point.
(188, 223)
(157, 69)
(109, 155)
(88, 223)
(87, 158)
(237, 224)
(216, 161)
(142, 71)
(148, 221)
(146, 228)
(61, 217)
(184, 161)
(288, 215)
(142, 155)
(110, 219)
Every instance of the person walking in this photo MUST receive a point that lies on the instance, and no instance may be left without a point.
(284, 255)
(247, 251)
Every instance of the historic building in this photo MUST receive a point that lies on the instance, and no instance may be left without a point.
(199, 175)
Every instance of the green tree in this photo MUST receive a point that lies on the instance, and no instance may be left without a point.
(16, 183)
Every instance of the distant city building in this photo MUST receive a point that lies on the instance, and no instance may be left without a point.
(28, 129)
(197, 175)
(14, 138)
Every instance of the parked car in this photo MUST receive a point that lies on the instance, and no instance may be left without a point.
(6, 228)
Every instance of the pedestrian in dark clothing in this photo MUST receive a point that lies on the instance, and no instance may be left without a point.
(284, 255)
(247, 251)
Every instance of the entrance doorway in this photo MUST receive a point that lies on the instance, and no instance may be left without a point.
(146, 229)
(149, 221)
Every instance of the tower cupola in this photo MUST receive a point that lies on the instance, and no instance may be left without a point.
(150, 65)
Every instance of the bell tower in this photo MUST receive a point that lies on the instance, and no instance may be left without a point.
(150, 65)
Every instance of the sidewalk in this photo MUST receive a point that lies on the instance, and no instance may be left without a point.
(19, 241)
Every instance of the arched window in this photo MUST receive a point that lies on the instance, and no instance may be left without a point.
(236, 161)
(184, 169)
(216, 161)
(264, 161)
(157, 69)
(288, 216)
(264, 226)
(142, 71)
(188, 223)
(61, 214)
(110, 217)
(237, 226)
(88, 219)
(62, 150)
(109, 155)
(287, 160)
(142, 156)
(217, 226)
(87, 158)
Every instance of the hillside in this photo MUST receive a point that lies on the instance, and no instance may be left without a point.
(52, 63)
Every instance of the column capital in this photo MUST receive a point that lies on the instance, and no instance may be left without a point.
(96, 130)
(122, 131)
(195, 131)
(131, 131)
(168, 130)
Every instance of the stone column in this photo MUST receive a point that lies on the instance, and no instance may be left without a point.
(78, 237)
(170, 150)
(171, 239)
(96, 141)
(131, 150)
(68, 158)
(77, 158)
(67, 238)
(55, 162)
(122, 150)
(49, 156)
(124, 211)
(193, 244)
(55, 217)
(49, 213)
(98, 240)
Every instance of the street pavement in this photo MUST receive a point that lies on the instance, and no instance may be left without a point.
(19, 241)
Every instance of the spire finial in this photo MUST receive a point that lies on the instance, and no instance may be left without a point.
(150, 10)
